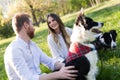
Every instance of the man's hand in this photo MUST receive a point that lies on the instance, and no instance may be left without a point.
(67, 73)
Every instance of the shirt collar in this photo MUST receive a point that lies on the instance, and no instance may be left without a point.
(22, 42)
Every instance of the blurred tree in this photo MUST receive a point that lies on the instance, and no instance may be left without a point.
(77, 4)
(39, 8)
(0, 15)
(63, 6)
(16, 6)
(95, 2)
(35, 8)
(92, 3)
(31, 4)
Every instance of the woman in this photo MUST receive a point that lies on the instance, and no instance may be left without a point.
(58, 38)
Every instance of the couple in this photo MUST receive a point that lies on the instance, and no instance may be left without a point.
(23, 57)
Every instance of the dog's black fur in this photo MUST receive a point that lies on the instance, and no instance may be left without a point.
(82, 65)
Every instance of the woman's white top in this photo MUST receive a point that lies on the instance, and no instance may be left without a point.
(60, 53)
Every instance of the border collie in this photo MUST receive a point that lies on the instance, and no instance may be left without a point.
(106, 40)
(84, 56)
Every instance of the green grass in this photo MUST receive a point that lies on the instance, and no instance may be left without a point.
(109, 63)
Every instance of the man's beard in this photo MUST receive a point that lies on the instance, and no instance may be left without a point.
(31, 33)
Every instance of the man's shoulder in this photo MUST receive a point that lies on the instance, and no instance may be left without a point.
(33, 43)
(12, 45)
(11, 49)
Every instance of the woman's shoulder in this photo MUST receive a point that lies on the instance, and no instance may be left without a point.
(49, 37)
(69, 30)
(67, 27)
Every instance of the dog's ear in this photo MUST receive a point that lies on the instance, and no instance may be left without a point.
(80, 18)
(82, 11)
(113, 32)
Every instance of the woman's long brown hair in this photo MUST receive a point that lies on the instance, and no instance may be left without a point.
(65, 36)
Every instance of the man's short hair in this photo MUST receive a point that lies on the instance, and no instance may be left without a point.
(18, 21)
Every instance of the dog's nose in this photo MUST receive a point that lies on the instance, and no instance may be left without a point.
(114, 47)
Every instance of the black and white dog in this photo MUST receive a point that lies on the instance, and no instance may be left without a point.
(83, 55)
(106, 40)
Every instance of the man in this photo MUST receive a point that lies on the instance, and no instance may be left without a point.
(23, 57)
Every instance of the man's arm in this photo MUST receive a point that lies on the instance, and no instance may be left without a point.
(63, 73)
(59, 65)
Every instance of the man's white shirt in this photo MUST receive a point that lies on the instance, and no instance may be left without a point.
(22, 60)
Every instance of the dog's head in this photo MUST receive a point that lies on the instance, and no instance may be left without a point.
(109, 39)
(106, 40)
(86, 28)
(89, 24)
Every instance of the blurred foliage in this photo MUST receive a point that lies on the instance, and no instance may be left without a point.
(6, 30)
(38, 9)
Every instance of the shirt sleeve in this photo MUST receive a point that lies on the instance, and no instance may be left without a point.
(19, 65)
(69, 30)
(46, 60)
(54, 49)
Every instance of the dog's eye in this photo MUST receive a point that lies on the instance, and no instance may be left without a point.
(85, 25)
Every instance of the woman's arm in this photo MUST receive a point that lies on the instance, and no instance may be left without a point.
(54, 49)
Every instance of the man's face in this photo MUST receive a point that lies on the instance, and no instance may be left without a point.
(30, 30)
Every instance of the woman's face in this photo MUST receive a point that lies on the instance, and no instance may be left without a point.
(53, 23)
